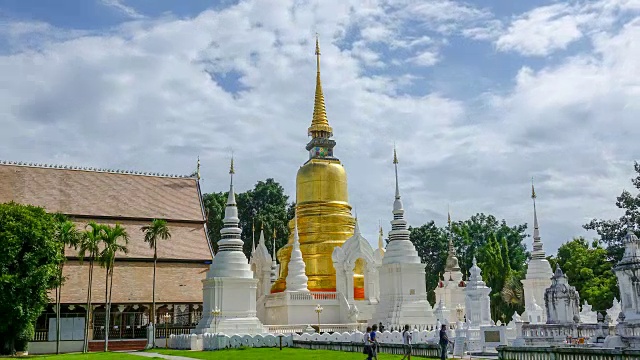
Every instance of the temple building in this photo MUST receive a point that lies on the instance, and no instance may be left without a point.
(133, 200)
(538, 277)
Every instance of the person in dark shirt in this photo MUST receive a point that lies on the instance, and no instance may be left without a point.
(444, 342)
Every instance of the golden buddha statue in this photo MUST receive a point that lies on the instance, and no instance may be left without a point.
(322, 208)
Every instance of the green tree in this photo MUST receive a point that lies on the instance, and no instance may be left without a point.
(612, 232)
(157, 230)
(431, 243)
(111, 235)
(89, 246)
(29, 267)
(67, 235)
(499, 250)
(264, 205)
(589, 271)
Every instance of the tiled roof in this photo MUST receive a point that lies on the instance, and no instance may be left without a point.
(132, 282)
(188, 241)
(97, 194)
(108, 197)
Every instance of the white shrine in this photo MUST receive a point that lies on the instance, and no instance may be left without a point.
(450, 289)
(477, 301)
(403, 292)
(357, 249)
(538, 277)
(627, 271)
(562, 301)
(229, 290)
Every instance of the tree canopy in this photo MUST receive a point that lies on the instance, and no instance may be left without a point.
(497, 246)
(589, 271)
(29, 265)
(266, 204)
(612, 232)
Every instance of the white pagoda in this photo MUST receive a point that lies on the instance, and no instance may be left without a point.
(403, 293)
(229, 290)
(538, 277)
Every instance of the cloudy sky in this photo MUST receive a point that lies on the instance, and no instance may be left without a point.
(478, 96)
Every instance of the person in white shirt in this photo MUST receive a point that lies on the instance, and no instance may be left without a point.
(406, 342)
(367, 344)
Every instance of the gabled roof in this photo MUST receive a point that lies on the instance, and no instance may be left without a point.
(109, 197)
(98, 194)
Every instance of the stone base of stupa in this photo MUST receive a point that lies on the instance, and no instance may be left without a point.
(235, 298)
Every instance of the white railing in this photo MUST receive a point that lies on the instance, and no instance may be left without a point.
(293, 329)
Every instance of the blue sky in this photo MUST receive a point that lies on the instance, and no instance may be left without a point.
(478, 96)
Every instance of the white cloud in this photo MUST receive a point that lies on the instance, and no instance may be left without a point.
(123, 8)
(543, 30)
(546, 29)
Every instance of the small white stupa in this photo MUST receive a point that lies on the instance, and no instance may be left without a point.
(229, 290)
(261, 261)
(450, 289)
(478, 306)
(296, 277)
(403, 293)
(539, 273)
(274, 264)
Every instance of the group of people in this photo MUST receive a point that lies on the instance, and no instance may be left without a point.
(371, 343)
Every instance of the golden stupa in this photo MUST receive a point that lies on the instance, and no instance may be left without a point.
(322, 207)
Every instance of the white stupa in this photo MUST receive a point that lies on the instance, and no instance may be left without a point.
(450, 289)
(478, 306)
(229, 290)
(403, 293)
(296, 277)
(261, 261)
(539, 273)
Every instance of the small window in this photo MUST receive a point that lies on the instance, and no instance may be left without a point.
(412, 291)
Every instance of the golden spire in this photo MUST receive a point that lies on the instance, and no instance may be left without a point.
(319, 123)
(274, 234)
(231, 169)
(262, 226)
(449, 217)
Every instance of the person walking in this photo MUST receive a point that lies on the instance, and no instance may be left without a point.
(374, 341)
(367, 344)
(444, 342)
(406, 343)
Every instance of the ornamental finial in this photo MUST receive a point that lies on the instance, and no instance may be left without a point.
(231, 169)
(198, 169)
(533, 190)
(395, 154)
(319, 123)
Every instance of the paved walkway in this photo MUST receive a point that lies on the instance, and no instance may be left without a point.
(156, 355)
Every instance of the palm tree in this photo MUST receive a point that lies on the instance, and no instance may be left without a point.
(89, 245)
(110, 237)
(67, 235)
(152, 233)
